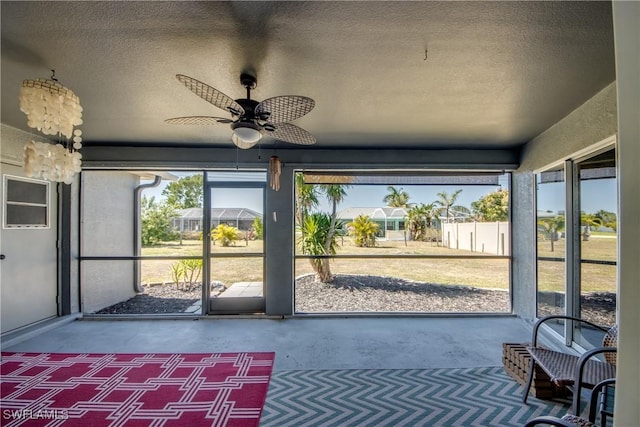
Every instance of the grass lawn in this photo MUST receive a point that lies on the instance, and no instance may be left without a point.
(482, 273)
(594, 277)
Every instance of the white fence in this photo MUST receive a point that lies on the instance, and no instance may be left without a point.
(483, 237)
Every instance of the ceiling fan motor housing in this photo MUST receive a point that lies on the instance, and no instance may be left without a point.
(249, 106)
(249, 81)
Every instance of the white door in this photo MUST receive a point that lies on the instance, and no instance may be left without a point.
(28, 269)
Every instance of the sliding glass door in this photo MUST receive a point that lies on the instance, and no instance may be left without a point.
(576, 223)
(550, 232)
(596, 287)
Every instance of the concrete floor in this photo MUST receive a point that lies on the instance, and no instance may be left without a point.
(299, 343)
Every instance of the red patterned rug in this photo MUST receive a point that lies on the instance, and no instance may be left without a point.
(217, 389)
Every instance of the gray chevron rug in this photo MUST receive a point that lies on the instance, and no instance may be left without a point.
(400, 397)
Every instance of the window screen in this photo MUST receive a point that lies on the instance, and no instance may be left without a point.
(26, 203)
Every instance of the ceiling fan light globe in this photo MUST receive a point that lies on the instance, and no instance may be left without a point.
(242, 144)
(247, 134)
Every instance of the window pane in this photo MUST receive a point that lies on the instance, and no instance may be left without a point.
(377, 224)
(26, 216)
(109, 230)
(27, 191)
(550, 220)
(598, 242)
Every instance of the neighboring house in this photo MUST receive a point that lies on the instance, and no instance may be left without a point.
(454, 216)
(390, 220)
(191, 219)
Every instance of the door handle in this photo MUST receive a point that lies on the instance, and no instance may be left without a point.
(2, 256)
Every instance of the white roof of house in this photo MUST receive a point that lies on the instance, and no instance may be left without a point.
(374, 213)
(219, 213)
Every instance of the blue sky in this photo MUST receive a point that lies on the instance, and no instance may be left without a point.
(596, 195)
(361, 196)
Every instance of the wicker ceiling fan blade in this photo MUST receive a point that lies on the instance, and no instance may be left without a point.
(198, 120)
(281, 109)
(210, 94)
(291, 133)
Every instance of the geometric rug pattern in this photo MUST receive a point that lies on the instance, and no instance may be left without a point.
(463, 397)
(211, 389)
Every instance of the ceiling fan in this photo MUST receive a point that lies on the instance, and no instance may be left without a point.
(251, 119)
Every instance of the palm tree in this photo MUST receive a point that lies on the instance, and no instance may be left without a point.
(447, 202)
(551, 227)
(306, 198)
(419, 218)
(364, 231)
(589, 220)
(315, 234)
(335, 194)
(397, 198)
(319, 230)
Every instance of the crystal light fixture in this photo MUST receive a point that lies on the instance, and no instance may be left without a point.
(52, 109)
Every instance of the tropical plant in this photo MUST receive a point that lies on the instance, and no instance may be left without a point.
(492, 207)
(315, 233)
(397, 198)
(447, 203)
(192, 269)
(306, 197)
(335, 193)
(321, 225)
(156, 222)
(606, 217)
(187, 272)
(419, 218)
(177, 273)
(588, 221)
(184, 193)
(225, 234)
(363, 230)
(551, 227)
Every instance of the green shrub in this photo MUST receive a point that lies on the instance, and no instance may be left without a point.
(187, 272)
(258, 226)
(363, 230)
(225, 234)
(156, 222)
(177, 273)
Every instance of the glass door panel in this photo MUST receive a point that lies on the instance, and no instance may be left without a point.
(236, 246)
(551, 255)
(596, 296)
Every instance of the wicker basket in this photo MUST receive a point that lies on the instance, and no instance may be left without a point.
(516, 361)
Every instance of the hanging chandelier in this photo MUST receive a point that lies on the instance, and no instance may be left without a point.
(52, 109)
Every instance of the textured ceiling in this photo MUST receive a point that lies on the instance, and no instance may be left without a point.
(496, 73)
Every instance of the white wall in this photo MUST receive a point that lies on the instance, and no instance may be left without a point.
(484, 237)
(626, 20)
(107, 230)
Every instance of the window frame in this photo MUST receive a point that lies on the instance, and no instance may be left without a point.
(7, 202)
